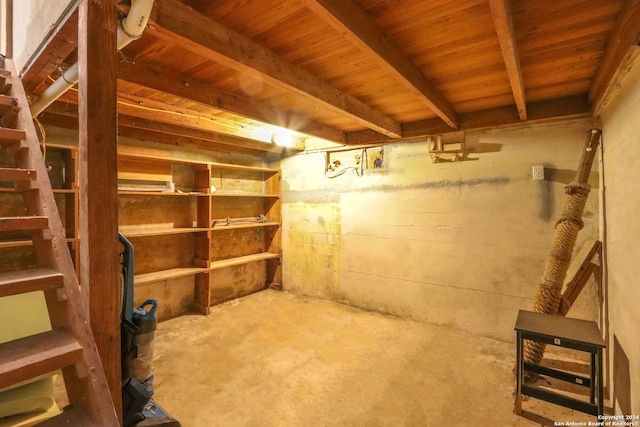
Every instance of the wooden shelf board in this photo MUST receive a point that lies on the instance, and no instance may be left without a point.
(55, 190)
(230, 262)
(215, 165)
(245, 225)
(15, 243)
(229, 166)
(224, 194)
(62, 146)
(160, 231)
(18, 243)
(173, 273)
(158, 193)
(151, 158)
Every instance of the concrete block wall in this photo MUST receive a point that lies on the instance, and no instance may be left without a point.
(621, 173)
(457, 244)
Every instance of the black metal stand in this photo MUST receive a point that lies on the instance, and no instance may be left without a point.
(582, 335)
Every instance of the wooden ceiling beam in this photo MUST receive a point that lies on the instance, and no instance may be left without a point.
(158, 111)
(177, 23)
(355, 24)
(622, 50)
(569, 107)
(503, 21)
(146, 125)
(188, 141)
(58, 110)
(138, 106)
(70, 122)
(185, 87)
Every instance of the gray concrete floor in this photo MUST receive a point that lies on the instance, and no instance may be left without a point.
(279, 359)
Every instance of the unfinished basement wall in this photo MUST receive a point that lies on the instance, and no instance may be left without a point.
(33, 22)
(458, 244)
(621, 171)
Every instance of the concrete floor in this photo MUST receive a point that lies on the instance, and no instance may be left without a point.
(278, 359)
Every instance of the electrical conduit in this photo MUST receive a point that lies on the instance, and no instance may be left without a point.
(130, 29)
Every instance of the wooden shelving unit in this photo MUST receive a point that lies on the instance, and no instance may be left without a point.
(170, 210)
(176, 214)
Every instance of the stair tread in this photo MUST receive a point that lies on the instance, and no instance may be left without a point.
(33, 279)
(29, 357)
(73, 416)
(10, 136)
(24, 223)
(7, 101)
(16, 174)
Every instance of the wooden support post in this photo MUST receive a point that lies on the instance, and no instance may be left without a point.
(97, 108)
(589, 153)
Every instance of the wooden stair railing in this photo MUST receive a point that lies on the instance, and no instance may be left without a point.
(70, 345)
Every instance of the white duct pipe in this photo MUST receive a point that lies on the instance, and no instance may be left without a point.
(130, 29)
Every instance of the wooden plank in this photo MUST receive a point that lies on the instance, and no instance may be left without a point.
(159, 193)
(353, 23)
(503, 21)
(182, 86)
(6, 104)
(136, 169)
(575, 287)
(245, 225)
(11, 136)
(14, 243)
(151, 109)
(36, 355)
(202, 293)
(273, 236)
(185, 137)
(621, 48)
(214, 165)
(131, 232)
(224, 263)
(24, 223)
(180, 24)
(230, 194)
(230, 166)
(15, 174)
(540, 111)
(580, 278)
(99, 247)
(588, 154)
(158, 276)
(33, 279)
(148, 121)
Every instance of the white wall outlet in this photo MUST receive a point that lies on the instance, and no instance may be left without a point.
(537, 172)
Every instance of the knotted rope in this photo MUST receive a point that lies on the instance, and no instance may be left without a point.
(547, 299)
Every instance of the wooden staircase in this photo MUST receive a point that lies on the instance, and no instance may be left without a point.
(70, 345)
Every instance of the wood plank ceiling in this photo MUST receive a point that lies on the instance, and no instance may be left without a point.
(216, 74)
